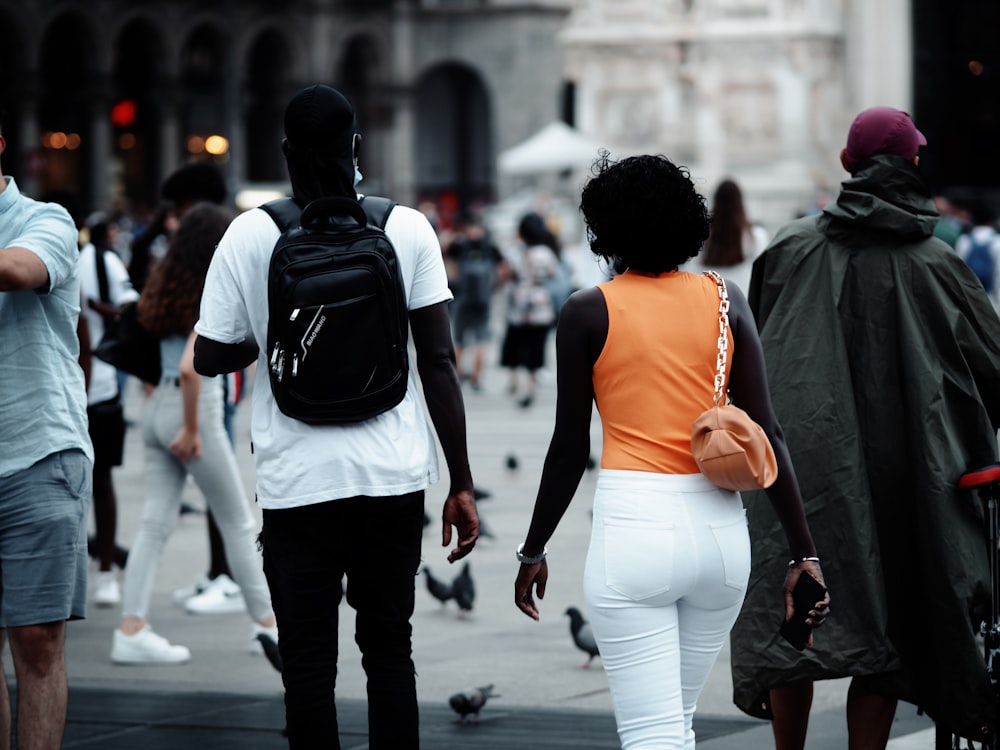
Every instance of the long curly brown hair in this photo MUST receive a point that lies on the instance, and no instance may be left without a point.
(171, 298)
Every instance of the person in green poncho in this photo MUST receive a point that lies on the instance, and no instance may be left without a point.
(883, 358)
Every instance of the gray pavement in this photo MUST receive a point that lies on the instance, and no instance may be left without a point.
(535, 668)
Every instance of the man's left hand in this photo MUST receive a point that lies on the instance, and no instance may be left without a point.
(460, 512)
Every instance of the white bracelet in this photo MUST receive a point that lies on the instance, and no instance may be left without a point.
(529, 559)
(803, 560)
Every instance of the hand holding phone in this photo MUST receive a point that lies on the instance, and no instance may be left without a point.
(806, 593)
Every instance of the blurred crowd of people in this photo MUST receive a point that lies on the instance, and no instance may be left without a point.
(120, 253)
(511, 293)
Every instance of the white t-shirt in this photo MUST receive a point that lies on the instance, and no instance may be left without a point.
(987, 236)
(301, 464)
(103, 377)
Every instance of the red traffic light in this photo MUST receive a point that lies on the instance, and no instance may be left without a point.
(123, 113)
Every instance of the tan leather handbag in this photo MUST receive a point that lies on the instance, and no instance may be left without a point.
(731, 450)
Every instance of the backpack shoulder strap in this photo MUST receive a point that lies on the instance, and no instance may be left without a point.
(102, 275)
(285, 212)
(378, 209)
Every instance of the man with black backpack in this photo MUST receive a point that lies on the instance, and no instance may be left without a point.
(477, 260)
(343, 456)
(980, 248)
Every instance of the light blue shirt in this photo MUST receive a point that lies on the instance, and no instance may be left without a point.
(171, 352)
(43, 400)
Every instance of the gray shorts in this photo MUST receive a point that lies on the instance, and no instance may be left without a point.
(471, 325)
(44, 511)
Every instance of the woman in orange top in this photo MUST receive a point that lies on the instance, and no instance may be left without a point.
(669, 555)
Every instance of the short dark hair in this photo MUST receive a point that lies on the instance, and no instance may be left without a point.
(195, 182)
(534, 231)
(643, 212)
(981, 212)
(69, 200)
(319, 145)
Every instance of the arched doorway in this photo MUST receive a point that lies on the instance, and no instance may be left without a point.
(266, 88)
(454, 139)
(135, 112)
(65, 109)
(957, 94)
(357, 78)
(12, 89)
(202, 110)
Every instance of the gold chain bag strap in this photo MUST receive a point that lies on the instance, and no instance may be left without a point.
(731, 450)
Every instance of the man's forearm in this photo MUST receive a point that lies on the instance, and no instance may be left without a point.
(443, 395)
(21, 269)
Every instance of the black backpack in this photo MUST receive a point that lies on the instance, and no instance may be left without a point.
(476, 274)
(337, 326)
(980, 260)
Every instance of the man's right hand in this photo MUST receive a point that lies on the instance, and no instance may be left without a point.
(460, 512)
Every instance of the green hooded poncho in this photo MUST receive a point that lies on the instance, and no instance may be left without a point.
(883, 359)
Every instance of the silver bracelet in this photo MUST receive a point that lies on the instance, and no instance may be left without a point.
(531, 559)
(803, 560)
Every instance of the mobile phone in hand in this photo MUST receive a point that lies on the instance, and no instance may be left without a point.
(806, 593)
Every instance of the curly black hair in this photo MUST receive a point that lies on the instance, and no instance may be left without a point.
(171, 298)
(643, 213)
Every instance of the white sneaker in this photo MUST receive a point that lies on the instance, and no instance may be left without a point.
(222, 596)
(106, 592)
(146, 647)
(182, 595)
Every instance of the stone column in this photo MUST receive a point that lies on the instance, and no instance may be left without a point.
(400, 181)
(232, 103)
(170, 135)
(100, 146)
(879, 54)
(29, 182)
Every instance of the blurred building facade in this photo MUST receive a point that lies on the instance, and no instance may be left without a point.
(106, 97)
(765, 90)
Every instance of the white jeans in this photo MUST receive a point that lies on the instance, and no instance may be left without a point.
(665, 577)
(217, 476)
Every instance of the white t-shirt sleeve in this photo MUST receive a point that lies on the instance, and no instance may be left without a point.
(760, 238)
(419, 252)
(120, 288)
(224, 316)
(962, 245)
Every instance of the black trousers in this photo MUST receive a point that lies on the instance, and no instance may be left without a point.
(375, 542)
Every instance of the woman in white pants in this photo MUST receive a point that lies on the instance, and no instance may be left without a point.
(669, 554)
(183, 434)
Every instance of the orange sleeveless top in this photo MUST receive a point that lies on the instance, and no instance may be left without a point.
(656, 373)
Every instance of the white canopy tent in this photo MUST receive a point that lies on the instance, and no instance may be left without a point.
(554, 148)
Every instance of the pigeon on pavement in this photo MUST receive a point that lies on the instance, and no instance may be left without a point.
(468, 702)
(438, 589)
(582, 634)
(463, 590)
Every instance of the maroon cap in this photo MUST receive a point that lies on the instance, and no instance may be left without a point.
(882, 130)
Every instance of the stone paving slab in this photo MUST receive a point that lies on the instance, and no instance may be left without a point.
(227, 697)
